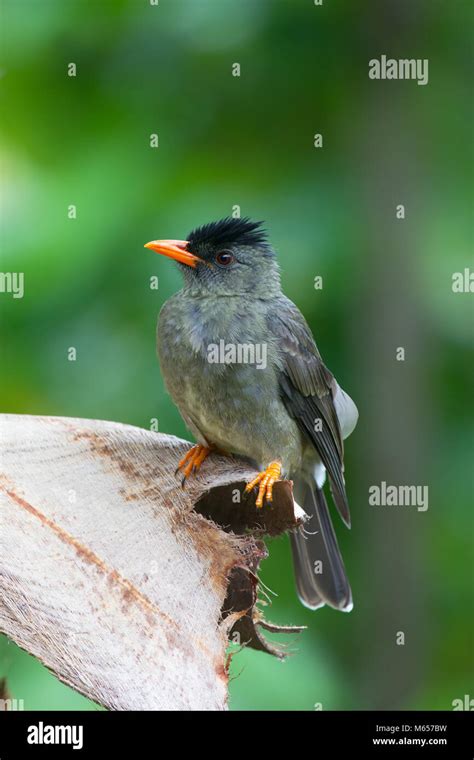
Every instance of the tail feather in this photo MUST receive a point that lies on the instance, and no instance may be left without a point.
(315, 542)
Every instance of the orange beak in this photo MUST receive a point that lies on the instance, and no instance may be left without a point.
(175, 249)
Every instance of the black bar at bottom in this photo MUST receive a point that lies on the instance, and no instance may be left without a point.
(374, 734)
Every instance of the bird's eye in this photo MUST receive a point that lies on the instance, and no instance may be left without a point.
(224, 258)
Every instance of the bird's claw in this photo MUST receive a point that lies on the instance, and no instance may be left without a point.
(265, 481)
(192, 461)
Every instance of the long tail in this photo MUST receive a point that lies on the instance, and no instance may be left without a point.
(319, 570)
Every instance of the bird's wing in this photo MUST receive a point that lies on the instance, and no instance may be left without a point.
(308, 390)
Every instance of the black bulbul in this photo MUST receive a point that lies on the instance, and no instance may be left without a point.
(241, 364)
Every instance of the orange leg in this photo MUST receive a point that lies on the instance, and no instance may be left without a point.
(192, 460)
(265, 481)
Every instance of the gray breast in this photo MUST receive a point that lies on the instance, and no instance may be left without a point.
(234, 405)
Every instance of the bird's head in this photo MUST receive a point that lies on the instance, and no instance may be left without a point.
(229, 257)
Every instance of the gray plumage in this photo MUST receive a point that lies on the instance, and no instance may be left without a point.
(292, 411)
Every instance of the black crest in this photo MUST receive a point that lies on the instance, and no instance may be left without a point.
(229, 231)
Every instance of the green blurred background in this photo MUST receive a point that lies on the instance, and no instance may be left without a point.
(331, 211)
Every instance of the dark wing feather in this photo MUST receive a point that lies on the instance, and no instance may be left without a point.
(307, 389)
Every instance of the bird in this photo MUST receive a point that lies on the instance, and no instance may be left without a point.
(285, 413)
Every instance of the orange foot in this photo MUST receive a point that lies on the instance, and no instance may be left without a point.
(193, 459)
(265, 481)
